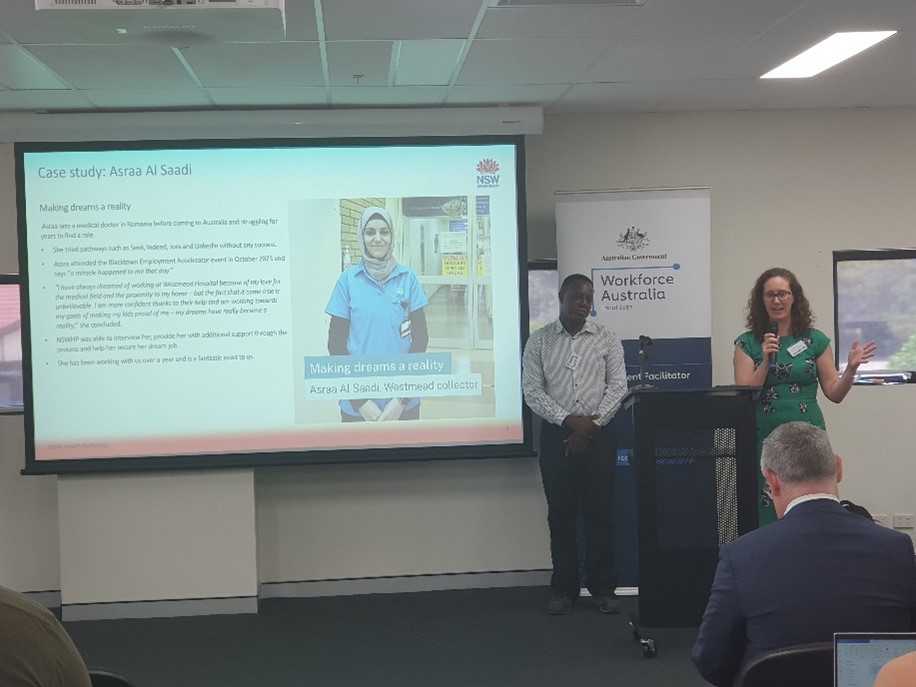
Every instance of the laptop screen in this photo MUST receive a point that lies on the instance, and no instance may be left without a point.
(858, 656)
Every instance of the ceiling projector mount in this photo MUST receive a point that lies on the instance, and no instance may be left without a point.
(145, 4)
(156, 21)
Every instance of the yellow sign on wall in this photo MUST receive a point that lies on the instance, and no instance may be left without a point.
(455, 265)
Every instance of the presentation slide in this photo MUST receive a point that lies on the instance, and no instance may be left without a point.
(278, 301)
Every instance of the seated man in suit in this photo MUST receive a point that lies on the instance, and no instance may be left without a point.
(35, 650)
(817, 570)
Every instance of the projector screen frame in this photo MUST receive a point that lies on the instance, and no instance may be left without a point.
(250, 459)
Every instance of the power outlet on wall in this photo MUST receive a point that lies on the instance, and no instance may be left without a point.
(882, 519)
(903, 521)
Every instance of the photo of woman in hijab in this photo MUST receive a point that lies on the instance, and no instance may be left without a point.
(376, 308)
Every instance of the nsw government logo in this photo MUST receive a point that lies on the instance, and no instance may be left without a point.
(633, 239)
(487, 173)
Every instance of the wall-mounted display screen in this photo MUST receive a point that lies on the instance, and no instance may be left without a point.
(226, 303)
(874, 301)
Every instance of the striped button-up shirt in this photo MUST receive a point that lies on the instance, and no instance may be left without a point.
(566, 375)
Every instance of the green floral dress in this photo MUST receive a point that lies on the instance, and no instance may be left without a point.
(790, 390)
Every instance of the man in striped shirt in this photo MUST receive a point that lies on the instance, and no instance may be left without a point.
(574, 378)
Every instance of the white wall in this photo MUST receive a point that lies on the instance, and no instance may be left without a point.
(382, 520)
(163, 535)
(29, 536)
(787, 188)
(29, 550)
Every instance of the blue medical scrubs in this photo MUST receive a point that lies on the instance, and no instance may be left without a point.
(377, 313)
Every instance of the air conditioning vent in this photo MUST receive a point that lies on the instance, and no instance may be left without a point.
(72, 3)
(176, 23)
(158, 4)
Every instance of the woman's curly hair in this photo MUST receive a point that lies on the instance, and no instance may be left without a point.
(757, 318)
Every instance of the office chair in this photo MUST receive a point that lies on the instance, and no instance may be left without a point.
(800, 665)
(103, 677)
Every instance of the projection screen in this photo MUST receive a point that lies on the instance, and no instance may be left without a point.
(229, 303)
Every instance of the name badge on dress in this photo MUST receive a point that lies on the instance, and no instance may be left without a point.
(573, 361)
(796, 348)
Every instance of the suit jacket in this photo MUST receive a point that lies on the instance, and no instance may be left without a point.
(818, 570)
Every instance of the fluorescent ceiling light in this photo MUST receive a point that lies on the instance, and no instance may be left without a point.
(830, 51)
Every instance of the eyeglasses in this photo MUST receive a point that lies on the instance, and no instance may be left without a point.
(780, 296)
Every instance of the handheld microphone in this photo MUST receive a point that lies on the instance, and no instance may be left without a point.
(773, 329)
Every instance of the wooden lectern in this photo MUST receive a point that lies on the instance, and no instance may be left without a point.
(696, 488)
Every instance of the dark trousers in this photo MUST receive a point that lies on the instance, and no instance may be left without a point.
(577, 483)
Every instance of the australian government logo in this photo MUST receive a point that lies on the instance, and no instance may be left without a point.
(624, 287)
(633, 239)
(488, 173)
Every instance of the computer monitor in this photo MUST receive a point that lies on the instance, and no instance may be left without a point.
(858, 656)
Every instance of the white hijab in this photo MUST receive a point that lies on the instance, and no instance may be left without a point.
(378, 268)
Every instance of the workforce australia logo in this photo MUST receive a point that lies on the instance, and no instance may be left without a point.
(487, 173)
(633, 239)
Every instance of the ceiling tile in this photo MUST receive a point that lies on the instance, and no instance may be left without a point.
(38, 101)
(759, 55)
(826, 17)
(20, 70)
(662, 58)
(398, 19)
(529, 60)
(115, 66)
(613, 97)
(370, 61)
(769, 51)
(665, 55)
(687, 17)
(899, 93)
(881, 60)
(427, 63)
(170, 26)
(301, 22)
(541, 22)
(371, 96)
(148, 98)
(566, 3)
(268, 97)
(291, 64)
(505, 95)
(721, 94)
(822, 92)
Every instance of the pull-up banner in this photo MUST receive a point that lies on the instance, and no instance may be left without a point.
(647, 252)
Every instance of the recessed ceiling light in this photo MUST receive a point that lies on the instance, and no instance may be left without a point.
(830, 51)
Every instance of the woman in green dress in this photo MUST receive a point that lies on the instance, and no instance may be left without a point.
(787, 358)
